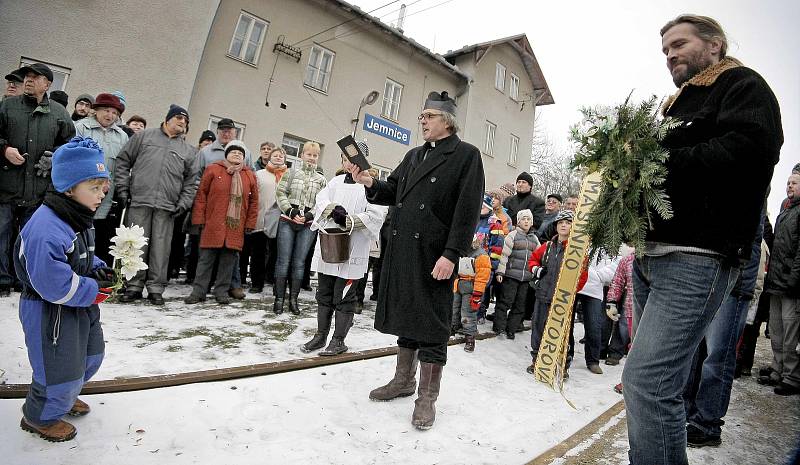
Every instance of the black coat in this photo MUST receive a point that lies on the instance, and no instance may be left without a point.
(517, 203)
(783, 277)
(436, 209)
(729, 142)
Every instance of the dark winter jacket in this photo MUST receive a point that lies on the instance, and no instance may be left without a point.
(549, 256)
(731, 136)
(436, 208)
(157, 171)
(519, 202)
(783, 277)
(31, 128)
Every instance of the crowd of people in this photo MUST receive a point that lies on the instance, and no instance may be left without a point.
(695, 298)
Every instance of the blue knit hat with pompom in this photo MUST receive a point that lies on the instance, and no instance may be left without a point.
(76, 161)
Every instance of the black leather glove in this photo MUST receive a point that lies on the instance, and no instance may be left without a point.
(539, 272)
(44, 165)
(293, 212)
(339, 215)
(309, 217)
(104, 276)
(122, 199)
(179, 212)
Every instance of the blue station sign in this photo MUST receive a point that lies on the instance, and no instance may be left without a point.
(386, 129)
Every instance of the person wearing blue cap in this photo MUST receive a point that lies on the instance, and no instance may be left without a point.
(63, 281)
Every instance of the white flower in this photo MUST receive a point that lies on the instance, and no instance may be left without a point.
(132, 266)
(127, 250)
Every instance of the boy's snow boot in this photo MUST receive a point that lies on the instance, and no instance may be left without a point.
(280, 294)
(324, 315)
(430, 377)
(294, 307)
(79, 409)
(59, 431)
(469, 345)
(404, 382)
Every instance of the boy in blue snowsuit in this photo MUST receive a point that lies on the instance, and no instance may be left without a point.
(63, 282)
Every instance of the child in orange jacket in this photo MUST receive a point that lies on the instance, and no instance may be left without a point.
(473, 274)
(545, 263)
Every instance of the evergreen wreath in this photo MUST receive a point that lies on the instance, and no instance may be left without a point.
(623, 144)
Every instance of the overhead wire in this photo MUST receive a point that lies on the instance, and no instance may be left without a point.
(343, 22)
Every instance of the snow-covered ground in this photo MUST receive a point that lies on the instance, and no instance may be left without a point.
(489, 411)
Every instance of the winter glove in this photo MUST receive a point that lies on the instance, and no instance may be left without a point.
(475, 301)
(293, 212)
(539, 271)
(44, 165)
(612, 312)
(339, 215)
(179, 212)
(122, 200)
(102, 294)
(104, 276)
(499, 278)
(309, 217)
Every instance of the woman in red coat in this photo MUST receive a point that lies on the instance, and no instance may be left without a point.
(226, 207)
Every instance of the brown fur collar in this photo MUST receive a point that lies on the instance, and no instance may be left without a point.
(705, 78)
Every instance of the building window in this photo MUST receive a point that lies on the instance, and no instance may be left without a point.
(247, 38)
(212, 126)
(60, 73)
(513, 87)
(512, 154)
(488, 147)
(318, 72)
(392, 92)
(293, 146)
(500, 77)
(383, 173)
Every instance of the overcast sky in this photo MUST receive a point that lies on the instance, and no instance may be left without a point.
(596, 52)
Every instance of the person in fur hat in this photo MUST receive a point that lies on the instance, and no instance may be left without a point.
(225, 209)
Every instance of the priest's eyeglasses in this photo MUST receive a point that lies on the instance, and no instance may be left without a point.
(428, 116)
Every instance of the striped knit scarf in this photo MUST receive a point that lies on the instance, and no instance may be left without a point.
(233, 216)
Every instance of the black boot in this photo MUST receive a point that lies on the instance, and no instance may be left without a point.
(343, 323)
(280, 293)
(324, 316)
(294, 307)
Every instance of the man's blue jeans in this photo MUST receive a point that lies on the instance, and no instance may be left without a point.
(293, 248)
(708, 390)
(675, 298)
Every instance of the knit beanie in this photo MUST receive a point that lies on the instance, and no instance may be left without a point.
(235, 144)
(563, 215)
(524, 176)
(59, 96)
(175, 110)
(85, 98)
(207, 135)
(524, 214)
(508, 189)
(76, 161)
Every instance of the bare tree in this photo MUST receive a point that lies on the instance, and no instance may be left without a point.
(550, 166)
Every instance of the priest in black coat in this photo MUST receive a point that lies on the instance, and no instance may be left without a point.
(436, 194)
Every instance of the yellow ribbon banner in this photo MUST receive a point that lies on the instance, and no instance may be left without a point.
(552, 356)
